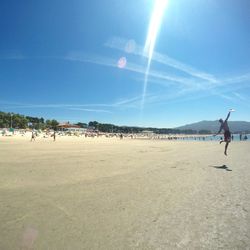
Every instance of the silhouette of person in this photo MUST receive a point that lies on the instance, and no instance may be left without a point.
(32, 136)
(227, 134)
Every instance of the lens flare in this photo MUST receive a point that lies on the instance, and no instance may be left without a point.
(130, 46)
(154, 26)
(122, 62)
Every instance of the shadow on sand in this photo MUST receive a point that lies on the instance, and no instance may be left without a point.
(222, 167)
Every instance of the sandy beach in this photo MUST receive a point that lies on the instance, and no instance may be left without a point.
(107, 193)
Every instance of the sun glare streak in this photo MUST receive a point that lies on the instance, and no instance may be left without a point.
(154, 26)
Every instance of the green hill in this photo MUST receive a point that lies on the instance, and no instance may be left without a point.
(213, 126)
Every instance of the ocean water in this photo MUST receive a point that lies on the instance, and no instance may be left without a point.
(235, 137)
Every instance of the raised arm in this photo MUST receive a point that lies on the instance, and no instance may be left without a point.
(228, 116)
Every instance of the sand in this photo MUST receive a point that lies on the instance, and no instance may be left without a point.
(100, 193)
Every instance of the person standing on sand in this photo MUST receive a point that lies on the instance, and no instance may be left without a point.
(227, 133)
(54, 135)
(32, 136)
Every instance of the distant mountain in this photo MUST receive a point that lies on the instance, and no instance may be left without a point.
(213, 126)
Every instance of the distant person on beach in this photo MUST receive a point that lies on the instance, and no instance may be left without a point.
(54, 135)
(32, 136)
(240, 136)
(227, 133)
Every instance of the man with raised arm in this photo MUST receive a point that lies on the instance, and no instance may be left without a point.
(227, 133)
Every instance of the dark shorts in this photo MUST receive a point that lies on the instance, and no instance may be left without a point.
(227, 136)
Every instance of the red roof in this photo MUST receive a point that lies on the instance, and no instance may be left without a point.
(67, 125)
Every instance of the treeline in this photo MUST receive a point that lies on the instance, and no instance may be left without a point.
(11, 120)
(110, 128)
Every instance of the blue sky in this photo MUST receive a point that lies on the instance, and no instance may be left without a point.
(85, 60)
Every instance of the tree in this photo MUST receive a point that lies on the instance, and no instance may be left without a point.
(54, 124)
(94, 124)
(82, 125)
(48, 124)
(16, 120)
(19, 121)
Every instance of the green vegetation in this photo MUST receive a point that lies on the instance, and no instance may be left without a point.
(110, 128)
(8, 120)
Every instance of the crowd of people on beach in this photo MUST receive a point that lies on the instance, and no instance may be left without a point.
(146, 134)
(54, 134)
